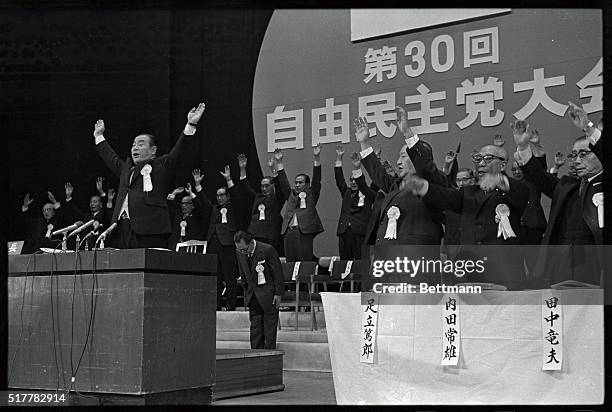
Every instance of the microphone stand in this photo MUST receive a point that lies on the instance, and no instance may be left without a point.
(64, 242)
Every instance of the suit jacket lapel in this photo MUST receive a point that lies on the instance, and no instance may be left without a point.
(388, 199)
(482, 198)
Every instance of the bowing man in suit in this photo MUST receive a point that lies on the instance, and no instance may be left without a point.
(144, 178)
(262, 274)
(223, 225)
(574, 218)
(264, 219)
(301, 222)
(404, 218)
(355, 209)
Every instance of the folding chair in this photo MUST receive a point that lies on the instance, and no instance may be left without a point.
(343, 271)
(192, 246)
(297, 299)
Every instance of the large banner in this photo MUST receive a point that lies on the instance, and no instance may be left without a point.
(462, 82)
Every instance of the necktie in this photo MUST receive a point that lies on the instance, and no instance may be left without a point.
(250, 259)
(583, 186)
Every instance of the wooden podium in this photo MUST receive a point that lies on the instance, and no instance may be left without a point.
(151, 335)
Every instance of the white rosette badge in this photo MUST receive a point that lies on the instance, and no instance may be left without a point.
(261, 279)
(262, 211)
(393, 214)
(147, 183)
(598, 202)
(302, 197)
(223, 212)
(360, 202)
(502, 214)
(49, 229)
(183, 226)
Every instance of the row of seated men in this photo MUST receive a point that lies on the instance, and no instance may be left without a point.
(415, 203)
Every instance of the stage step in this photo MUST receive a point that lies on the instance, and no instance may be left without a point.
(305, 350)
(241, 372)
(239, 319)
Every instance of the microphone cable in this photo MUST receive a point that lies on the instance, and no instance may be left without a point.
(19, 340)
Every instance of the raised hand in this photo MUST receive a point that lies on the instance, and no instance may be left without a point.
(316, 151)
(416, 185)
(51, 197)
(578, 116)
(27, 201)
(356, 160)
(498, 140)
(450, 157)
(188, 189)
(99, 128)
(195, 114)
(178, 190)
(99, 183)
(111, 194)
(69, 190)
(362, 132)
(520, 133)
(559, 160)
(402, 122)
(339, 151)
(197, 177)
(242, 161)
(534, 137)
(278, 155)
(226, 173)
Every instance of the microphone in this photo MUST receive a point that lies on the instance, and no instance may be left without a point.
(94, 231)
(67, 228)
(81, 228)
(106, 233)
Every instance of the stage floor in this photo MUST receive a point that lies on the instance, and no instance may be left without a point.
(301, 388)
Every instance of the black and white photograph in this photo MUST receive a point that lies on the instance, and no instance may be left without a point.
(240, 204)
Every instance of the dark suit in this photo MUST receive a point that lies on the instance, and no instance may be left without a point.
(573, 220)
(194, 229)
(477, 210)
(36, 228)
(417, 224)
(267, 230)
(102, 216)
(478, 225)
(258, 297)
(220, 239)
(299, 240)
(353, 219)
(148, 211)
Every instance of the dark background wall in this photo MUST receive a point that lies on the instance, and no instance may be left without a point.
(140, 70)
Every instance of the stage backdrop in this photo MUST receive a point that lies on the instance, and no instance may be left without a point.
(462, 82)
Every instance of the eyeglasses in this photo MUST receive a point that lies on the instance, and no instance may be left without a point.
(580, 154)
(488, 158)
(186, 203)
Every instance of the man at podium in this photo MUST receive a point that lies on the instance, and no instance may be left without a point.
(141, 210)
